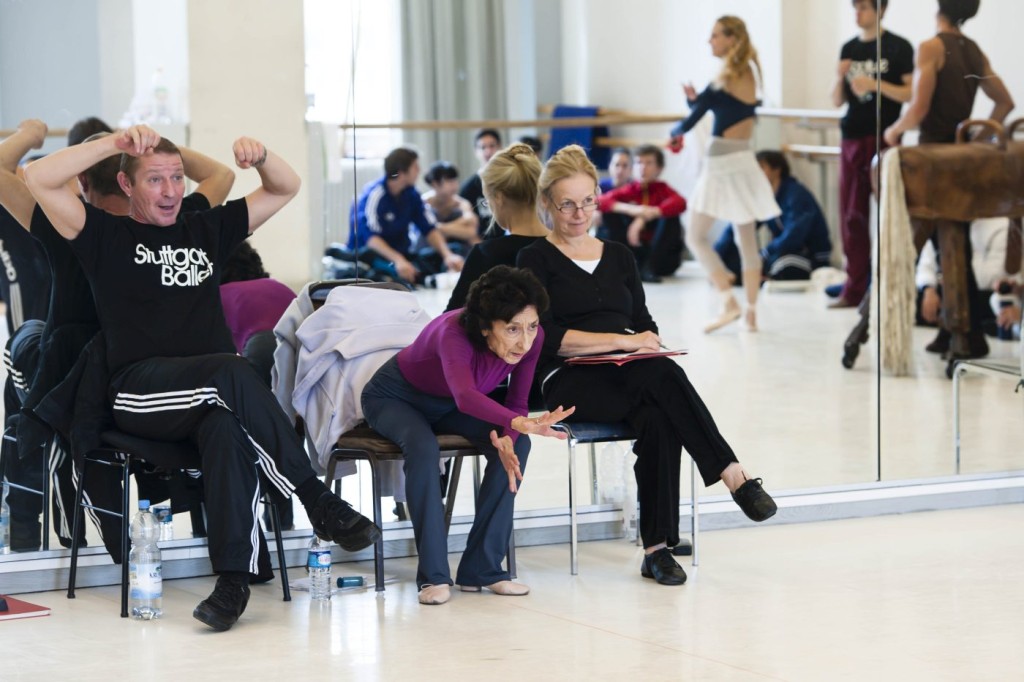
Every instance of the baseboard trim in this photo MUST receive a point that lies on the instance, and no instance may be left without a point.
(43, 571)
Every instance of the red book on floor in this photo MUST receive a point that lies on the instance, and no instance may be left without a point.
(17, 608)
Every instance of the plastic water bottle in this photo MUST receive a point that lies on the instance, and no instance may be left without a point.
(5, 523)
(144, 567)
(165, 521)
(318, 563)
(611, 485)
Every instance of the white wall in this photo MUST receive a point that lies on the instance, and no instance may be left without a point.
(49, 61)
(160, 42)
(246, 65)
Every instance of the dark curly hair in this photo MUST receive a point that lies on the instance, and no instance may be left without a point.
(958, 11)
(501, 293)
(243, 264)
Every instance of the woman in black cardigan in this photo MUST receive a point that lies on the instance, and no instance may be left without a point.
(598, 306)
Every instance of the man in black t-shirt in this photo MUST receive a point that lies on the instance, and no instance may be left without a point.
(856, 85)
(70, 312)
(175, 375)
(487, 142)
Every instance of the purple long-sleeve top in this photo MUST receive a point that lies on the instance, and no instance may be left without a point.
(443, 362)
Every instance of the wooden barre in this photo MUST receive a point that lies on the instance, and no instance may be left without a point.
(807, 117)
(812, 151)
(574, 122)
(53, 132)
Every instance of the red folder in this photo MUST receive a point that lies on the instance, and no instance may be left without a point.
(622, 358)
(17, 608)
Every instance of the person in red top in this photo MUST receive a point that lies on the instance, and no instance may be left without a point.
(644, 215)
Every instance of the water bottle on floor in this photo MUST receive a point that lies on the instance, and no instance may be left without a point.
(5, 522)
(146, 594)
(318, 563)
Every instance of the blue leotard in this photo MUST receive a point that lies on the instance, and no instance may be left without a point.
(728, 111)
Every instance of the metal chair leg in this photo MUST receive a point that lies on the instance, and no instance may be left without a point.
(378, 547)
(512, 554)
(694, 509)
(76, 527)
(282, 565)
(454, 474)
(573, 531)
(48, 475)
(125, 520)
(593, 474)
(958, 372)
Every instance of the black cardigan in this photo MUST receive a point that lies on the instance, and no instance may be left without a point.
(610, 300)
(484, 256)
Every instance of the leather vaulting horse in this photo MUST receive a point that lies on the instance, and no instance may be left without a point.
(946, 187)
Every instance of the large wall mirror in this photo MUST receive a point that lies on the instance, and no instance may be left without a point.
(792, 411)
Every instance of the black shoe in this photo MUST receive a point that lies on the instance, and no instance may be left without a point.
(977, 347)
(223, 607)
(940, 344)
(650, 277)
(754, 501)
(399, 511)
(334, 519)
(660, 566)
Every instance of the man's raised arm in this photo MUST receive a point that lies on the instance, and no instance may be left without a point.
(213, 179)
(48, 177)
(280, 182)
(14, 193)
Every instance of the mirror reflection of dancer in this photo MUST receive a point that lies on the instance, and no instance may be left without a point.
(731, 186)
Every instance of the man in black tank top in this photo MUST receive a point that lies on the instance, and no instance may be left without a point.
(949, 70)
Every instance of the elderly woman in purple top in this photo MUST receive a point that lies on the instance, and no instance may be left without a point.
(440, 384)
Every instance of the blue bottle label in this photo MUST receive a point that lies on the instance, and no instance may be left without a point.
(318, 559)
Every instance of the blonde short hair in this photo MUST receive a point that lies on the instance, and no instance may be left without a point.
(566, 162)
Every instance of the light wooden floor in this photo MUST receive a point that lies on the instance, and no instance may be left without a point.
(930, 596)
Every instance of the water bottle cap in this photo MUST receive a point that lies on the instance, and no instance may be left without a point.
(143, 505)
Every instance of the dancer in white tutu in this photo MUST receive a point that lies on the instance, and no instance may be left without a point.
(731, 186)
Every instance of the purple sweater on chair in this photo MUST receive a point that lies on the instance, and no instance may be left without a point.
(252, 306)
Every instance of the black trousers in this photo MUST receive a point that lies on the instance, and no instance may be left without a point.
(223, 407)
(661, 253)
(656, 398)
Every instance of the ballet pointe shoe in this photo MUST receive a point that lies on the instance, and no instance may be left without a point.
(730, 313)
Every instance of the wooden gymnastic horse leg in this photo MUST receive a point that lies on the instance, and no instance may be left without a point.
(956, 319)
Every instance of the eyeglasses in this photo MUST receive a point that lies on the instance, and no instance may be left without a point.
(570, 207)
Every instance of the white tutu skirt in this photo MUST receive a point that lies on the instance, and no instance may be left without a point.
(734, 188)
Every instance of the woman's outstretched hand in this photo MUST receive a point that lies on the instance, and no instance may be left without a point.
(541, 426)
(509, 461)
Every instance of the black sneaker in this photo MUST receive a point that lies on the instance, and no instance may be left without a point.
(334, 519)
(660, 566)
(754, 501)
(223, 607)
